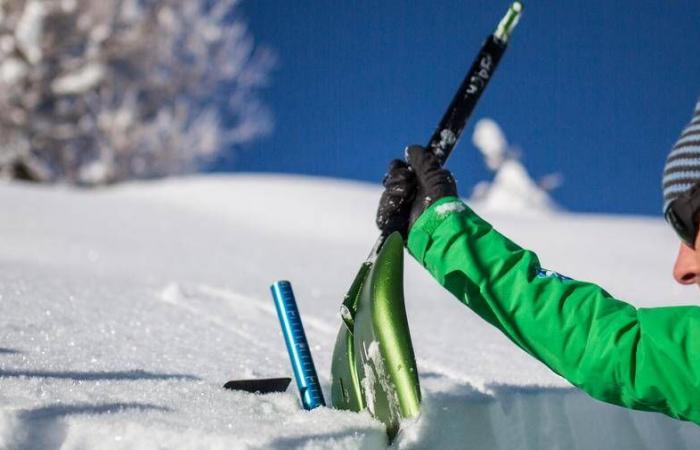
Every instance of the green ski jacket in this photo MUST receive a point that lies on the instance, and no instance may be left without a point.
(641, 358)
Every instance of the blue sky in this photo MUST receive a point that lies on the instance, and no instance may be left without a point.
(595, 90)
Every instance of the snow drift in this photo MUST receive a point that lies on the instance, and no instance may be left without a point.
(124, 311)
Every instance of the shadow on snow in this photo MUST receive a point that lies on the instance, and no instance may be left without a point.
(9, 351)
(96, 376)
(45, 427)
(536, 417)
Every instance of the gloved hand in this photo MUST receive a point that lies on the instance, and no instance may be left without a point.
(395, 204)
(409, 188)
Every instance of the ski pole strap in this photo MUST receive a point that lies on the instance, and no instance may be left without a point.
(297, 345)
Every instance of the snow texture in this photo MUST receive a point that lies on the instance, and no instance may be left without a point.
(512, 190)
(375, 376)
(370, 380)
(450, 207)
(490, 140)
(124, 311)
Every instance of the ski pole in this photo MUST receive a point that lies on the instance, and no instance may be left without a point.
(297, 345)
(449, 130)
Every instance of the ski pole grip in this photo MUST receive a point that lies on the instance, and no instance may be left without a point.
(297, 345)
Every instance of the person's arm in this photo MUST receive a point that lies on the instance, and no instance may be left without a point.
(646, 358)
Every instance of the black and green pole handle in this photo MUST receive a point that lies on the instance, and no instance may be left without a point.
(449, 130)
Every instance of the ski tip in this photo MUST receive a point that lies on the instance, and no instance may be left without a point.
(509, 21)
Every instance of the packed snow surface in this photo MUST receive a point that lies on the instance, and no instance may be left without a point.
(124, 311)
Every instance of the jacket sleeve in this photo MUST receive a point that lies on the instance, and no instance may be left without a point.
(646, 358)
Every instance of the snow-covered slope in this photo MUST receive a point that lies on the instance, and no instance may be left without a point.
(123, 311)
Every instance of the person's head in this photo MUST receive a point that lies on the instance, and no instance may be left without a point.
(681, 187)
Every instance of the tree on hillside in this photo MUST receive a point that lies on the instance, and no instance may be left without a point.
(512, 188)
(94, 92)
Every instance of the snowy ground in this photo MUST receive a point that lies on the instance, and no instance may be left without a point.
(123, 311)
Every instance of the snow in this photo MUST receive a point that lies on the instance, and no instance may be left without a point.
(512, 189)
(92, 173)
(369, 380)
(79, 81)
(12, 70)
(29, 30)
(375, 374)
(449, 207)
(489, 139)
(125, 310)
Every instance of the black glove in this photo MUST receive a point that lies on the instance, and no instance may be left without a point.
(408, 191)
(395, 204)
(434, 182)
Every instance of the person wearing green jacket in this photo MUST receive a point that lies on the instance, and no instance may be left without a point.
(641, 358)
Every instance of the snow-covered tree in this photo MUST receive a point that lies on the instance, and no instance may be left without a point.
(512, 188)
(97, 91)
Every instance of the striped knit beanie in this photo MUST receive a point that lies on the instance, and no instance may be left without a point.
(682, 168)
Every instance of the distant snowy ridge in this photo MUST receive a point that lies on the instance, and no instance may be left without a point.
(123, 311)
